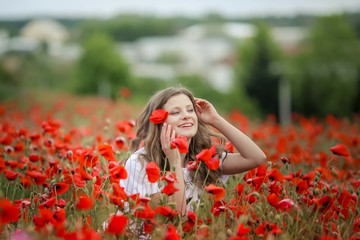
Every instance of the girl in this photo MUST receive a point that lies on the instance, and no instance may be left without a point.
(188, 117)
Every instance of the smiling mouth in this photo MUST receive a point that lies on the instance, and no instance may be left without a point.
(186, 125)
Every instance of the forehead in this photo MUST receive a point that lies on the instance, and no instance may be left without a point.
(180, 101)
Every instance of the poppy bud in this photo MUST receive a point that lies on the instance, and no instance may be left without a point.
(89, 169)
(117, 153)
(111, 190)
(316, 191)
(231, 214)
(278, 218)
(269, 164)
(46, 190)
(131, 202)
(316, 179)
(316, 184)
(324, 189)
(172, 205)
(193, 204)
(140, 208)
(333, 171)
(94, 180)
(256, 194)
(25, 167)
(61, 178)
(108, 121)
(70, 153)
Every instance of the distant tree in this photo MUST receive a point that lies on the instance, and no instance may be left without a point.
(254, 71)
(327, 70)
(101, 69)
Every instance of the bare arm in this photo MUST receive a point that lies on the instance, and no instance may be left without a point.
(250, 155)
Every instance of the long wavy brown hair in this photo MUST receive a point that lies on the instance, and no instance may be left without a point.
(150, 134)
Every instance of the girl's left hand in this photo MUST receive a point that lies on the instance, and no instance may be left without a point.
(206, 111)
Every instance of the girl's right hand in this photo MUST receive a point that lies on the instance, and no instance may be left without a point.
(168, 135)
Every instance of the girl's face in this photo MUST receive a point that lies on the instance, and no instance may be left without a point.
(182, 116)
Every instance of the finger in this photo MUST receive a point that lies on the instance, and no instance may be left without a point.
(162, 134)
(168, 133)
(172, 138)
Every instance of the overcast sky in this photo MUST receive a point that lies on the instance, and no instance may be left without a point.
(12, 9)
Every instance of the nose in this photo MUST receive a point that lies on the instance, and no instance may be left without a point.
(185, 115)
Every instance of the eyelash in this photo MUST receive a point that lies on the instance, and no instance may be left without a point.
(174, 113)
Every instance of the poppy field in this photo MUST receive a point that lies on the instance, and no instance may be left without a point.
(61, 163)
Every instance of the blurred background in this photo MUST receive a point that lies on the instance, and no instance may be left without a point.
(256, 57)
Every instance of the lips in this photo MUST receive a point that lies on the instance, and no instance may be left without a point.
(185, 125)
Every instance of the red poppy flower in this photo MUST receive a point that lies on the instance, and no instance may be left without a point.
(87, 158)
(205, 155)
(169, 189)
(19, 147)
(120, 142)
(239, 189)
(340, 149)
(153, 172)
(145, 212)
(192, 165)
(242, 230)
(218, 192)
(118, 172)
(107, 152)
(11, 175)
(356, 226)
(34, 158)
(285, 204)
(275, 175)
(169, 177)
(272, 199)
(117, 224)
(166, 211)
(213, 164)
(8, 212)
(60, 188)
(38, 177)
(324, 204)
(180, 142)
(84, 202)
(301, 187)
(158, 116)
(229, 146)
(48, 204)
(60, 215)
(171, 233)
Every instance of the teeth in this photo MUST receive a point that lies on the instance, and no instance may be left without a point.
(186, 125)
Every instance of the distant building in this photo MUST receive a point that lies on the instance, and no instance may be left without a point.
(199, 52)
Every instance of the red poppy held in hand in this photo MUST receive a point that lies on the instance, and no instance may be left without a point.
(153, 172)
(180, 142)
(158, 116)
